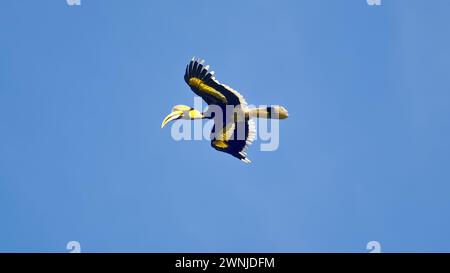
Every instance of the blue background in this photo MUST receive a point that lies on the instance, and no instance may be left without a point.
(363, 156)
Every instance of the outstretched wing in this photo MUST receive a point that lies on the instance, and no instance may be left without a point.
(234, 138)
(205, 85)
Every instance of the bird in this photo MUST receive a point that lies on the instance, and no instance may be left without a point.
(234, 128)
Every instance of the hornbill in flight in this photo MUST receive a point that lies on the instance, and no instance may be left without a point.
(233, 130)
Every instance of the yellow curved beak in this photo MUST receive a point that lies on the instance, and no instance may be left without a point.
(172, 116)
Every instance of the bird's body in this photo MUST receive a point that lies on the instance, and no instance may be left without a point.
(234, 130)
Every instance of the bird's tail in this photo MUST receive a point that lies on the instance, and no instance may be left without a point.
(273, 112)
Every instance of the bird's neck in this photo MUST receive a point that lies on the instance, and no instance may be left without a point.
(195, 114)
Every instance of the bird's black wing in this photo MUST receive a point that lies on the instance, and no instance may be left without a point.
(205, 85)
(229, 136)
(234, 138)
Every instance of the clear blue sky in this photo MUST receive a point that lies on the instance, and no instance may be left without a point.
(363, 156)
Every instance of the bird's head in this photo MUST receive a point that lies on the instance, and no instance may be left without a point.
(181, 112)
